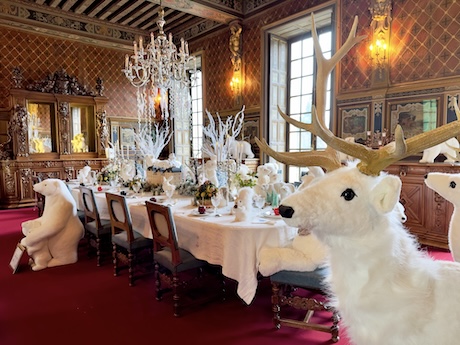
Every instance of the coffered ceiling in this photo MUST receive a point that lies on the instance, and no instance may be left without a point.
(117, 22)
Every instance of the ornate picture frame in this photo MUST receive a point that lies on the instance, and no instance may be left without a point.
(354, 121)
(414, 116)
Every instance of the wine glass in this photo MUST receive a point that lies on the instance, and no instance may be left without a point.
(136, 187)
(259, 201)
(169, 193)
(215, 201)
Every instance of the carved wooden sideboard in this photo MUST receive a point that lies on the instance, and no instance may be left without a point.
(54, 128)
(428, 214)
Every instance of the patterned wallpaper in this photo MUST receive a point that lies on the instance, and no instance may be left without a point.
(219, 67)
(37, 56)
(424, 42)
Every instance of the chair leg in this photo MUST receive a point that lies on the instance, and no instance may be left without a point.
(335, 327)
(130, 268)
(98, 251)
(176, 297)
(275, 305)
(157, 282)
(115, 260)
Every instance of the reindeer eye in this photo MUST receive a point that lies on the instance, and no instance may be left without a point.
(348, 194)
(453, 184)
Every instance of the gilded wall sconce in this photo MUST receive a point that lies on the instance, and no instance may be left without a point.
(379, 47)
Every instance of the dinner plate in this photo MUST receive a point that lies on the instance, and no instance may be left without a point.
(270, 214)
(195, 213)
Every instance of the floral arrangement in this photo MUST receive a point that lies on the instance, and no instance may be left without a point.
(188, 187)
(248, 180)
(109, 172)
(206, 191)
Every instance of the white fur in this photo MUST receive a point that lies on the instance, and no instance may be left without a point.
(448, 186)
(386, 290)
(52, 239)
(431, 153)
(305, 253)
(243, 204)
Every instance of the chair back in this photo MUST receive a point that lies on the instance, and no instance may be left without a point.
(88, 201)
(163, 230)
(120, 217)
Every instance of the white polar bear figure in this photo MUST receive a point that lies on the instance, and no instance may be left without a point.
(448, 186)
(52, 239)
(267, 176)
(210, 170)
(243, 204)
(240, 150)
(431, 153)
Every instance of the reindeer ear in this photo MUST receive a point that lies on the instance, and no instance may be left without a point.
(385, 195)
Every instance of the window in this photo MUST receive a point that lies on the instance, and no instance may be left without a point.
(292, 79)
(301, 94)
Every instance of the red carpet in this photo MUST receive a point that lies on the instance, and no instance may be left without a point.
(86, 304)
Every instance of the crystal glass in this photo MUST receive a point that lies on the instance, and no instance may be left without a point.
(136, 187)
(215, 201)
(169, 193)
(259, 201)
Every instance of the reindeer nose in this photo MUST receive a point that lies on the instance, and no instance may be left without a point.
(286, 211)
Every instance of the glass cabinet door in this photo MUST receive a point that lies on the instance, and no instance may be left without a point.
(82, 128)
(41, 127)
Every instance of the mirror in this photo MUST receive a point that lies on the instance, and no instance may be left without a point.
(41, 127)
(82, 128)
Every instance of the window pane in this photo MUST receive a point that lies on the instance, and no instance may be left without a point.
(295, 87)
(296, 69)
(294, 105)
(296, 50)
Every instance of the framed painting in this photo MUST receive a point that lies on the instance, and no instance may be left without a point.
(127, 137)
(354, 122)
(414, 117)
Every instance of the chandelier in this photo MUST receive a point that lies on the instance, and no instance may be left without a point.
(160, 66)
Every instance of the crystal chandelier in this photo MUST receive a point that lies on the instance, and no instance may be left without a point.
(160, 65)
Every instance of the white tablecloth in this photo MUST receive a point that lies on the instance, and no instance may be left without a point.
(218, 240)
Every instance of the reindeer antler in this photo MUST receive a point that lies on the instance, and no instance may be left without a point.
(372, 161)
(328, 159)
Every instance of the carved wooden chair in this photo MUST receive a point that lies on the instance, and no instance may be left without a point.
(171, 263)
(286, 284)
(39, 198)
(127, 244)
(98, 232)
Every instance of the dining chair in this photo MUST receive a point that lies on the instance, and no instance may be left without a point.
(80, 213)
(97, 231)
(39, 198)
(127, 244)
(172, 263)
(285, 293)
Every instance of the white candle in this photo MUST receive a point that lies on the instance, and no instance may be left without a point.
(122, 155)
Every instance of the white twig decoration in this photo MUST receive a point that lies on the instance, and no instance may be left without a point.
(218, 135)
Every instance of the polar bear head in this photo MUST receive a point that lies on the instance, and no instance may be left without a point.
(51, 187)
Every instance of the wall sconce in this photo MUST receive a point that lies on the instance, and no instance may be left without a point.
(380, 25)
(235, 83)
(378, 50)
(234, 44)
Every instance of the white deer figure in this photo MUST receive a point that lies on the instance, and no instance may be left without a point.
(385, 289)
(448, 186)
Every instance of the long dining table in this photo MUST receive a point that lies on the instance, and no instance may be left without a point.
(219, 240)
